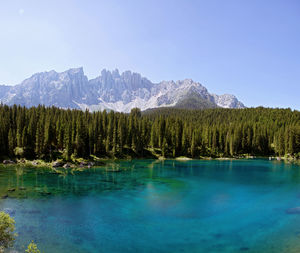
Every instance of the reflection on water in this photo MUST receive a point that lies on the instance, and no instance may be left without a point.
(156, 206)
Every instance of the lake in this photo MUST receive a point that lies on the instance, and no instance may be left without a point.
(157, 206)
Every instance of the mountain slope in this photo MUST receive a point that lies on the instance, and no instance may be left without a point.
(111, 90)
(193, 100)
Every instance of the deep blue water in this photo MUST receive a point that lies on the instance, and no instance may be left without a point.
(157, 206)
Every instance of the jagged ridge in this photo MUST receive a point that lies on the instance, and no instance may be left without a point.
(111, 90)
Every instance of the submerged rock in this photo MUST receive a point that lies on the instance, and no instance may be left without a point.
(244, 248)
(45, 193)
(34, 211)
(113, 170)
(295, 210)
(9, 211)
(4, 196)
(218, 235)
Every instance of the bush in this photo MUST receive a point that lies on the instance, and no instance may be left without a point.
(7, 228)
(32, 248)
(19, 152)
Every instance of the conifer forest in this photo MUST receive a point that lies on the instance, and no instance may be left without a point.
(49, 132)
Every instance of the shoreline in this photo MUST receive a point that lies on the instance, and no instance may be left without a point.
(84, 163)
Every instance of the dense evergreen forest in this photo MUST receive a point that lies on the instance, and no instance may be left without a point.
(50, 133)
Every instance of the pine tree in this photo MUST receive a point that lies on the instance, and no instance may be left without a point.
(11, 143)
(193, 146)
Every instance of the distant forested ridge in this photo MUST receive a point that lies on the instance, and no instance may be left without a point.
(49, 132)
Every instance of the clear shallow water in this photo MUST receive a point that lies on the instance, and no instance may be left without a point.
(157, 206)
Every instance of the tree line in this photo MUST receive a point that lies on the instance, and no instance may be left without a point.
(48, 132)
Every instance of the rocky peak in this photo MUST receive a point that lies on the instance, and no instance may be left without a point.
(116, 74)
(110, 90)
(228, 101)
(75, 71)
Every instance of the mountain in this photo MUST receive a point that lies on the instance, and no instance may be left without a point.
(112, 91)
(194, 100)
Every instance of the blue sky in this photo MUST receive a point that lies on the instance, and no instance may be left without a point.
(247, 48)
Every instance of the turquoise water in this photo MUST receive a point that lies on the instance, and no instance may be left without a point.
(157, 206)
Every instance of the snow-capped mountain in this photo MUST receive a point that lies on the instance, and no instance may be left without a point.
(111, 90)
